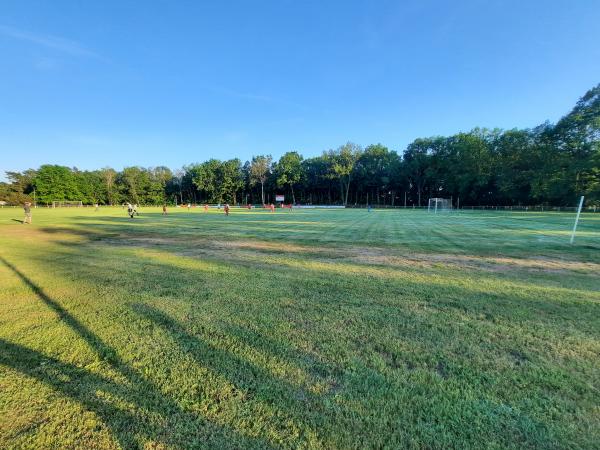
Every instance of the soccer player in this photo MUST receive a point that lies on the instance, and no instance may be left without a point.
(189, 205)
(272, 208)
(164, 209)
(130, 210)
(226, 208)
(96, 207)
(206, 207)
(27, 209)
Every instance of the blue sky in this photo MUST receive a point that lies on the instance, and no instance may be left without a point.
(91, 84)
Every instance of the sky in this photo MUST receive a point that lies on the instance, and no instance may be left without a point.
(120, 83)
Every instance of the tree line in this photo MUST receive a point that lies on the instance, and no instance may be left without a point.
(551, 164)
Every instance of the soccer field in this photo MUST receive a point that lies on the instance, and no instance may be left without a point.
(304, 329)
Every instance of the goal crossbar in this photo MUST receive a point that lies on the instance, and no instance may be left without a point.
(67, 204)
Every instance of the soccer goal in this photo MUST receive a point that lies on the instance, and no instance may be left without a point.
(439, 204)
(70, 204)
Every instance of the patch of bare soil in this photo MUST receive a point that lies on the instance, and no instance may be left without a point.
(492, 264)
(256, 249)
(377, 256)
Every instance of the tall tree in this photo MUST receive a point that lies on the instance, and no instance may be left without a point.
(516, 163)
(205, 177)
(577, 136)
(91, 186)
(476, 163)
(109, 176)
(289, 171)
(230, 179)
(131, 184)
(341, 165)
(316, 184)
(373, 170)
(20, 188)
(56, 183)
(416, 160)
(260, 168)
(174, 186)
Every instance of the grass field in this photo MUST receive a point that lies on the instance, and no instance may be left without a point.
(311, 329)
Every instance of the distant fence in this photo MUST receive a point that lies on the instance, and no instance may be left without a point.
(538, 208)
(534, 208)
(541, 208)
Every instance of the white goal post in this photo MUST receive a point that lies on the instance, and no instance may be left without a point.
(67, 204)
(439, 204)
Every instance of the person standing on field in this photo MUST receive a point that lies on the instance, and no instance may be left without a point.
(226, 208)
(27, 209)
(164, 210)
(96, 207)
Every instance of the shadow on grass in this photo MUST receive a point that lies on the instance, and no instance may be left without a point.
(253, 379)
(506, 299)
(375, 304)
(154, 415)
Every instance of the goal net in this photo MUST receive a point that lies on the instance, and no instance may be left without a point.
(70, 204)
(439, 205)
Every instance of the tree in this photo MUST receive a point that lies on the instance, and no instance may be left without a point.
(174, 186)
(577, 136)
(516, 162)
(374, 170)
(109, 176)
(130, 184)
(416, 161)
(289, 171)
(341, 166)
(260, 168)
(156, 189)
(593, 182)
(20, 189)
(91, 186)
(189, 189)
(231, 179)
(142, 186)
(475, 170)
(316, 182)
(204, 177)
(54, 183)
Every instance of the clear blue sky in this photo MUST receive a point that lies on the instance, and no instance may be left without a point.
(91, 84)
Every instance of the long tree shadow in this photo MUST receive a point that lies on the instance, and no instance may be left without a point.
(154, 414)
(103, 351)
(295, 401)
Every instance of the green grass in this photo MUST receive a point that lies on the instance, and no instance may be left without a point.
(311, 329)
